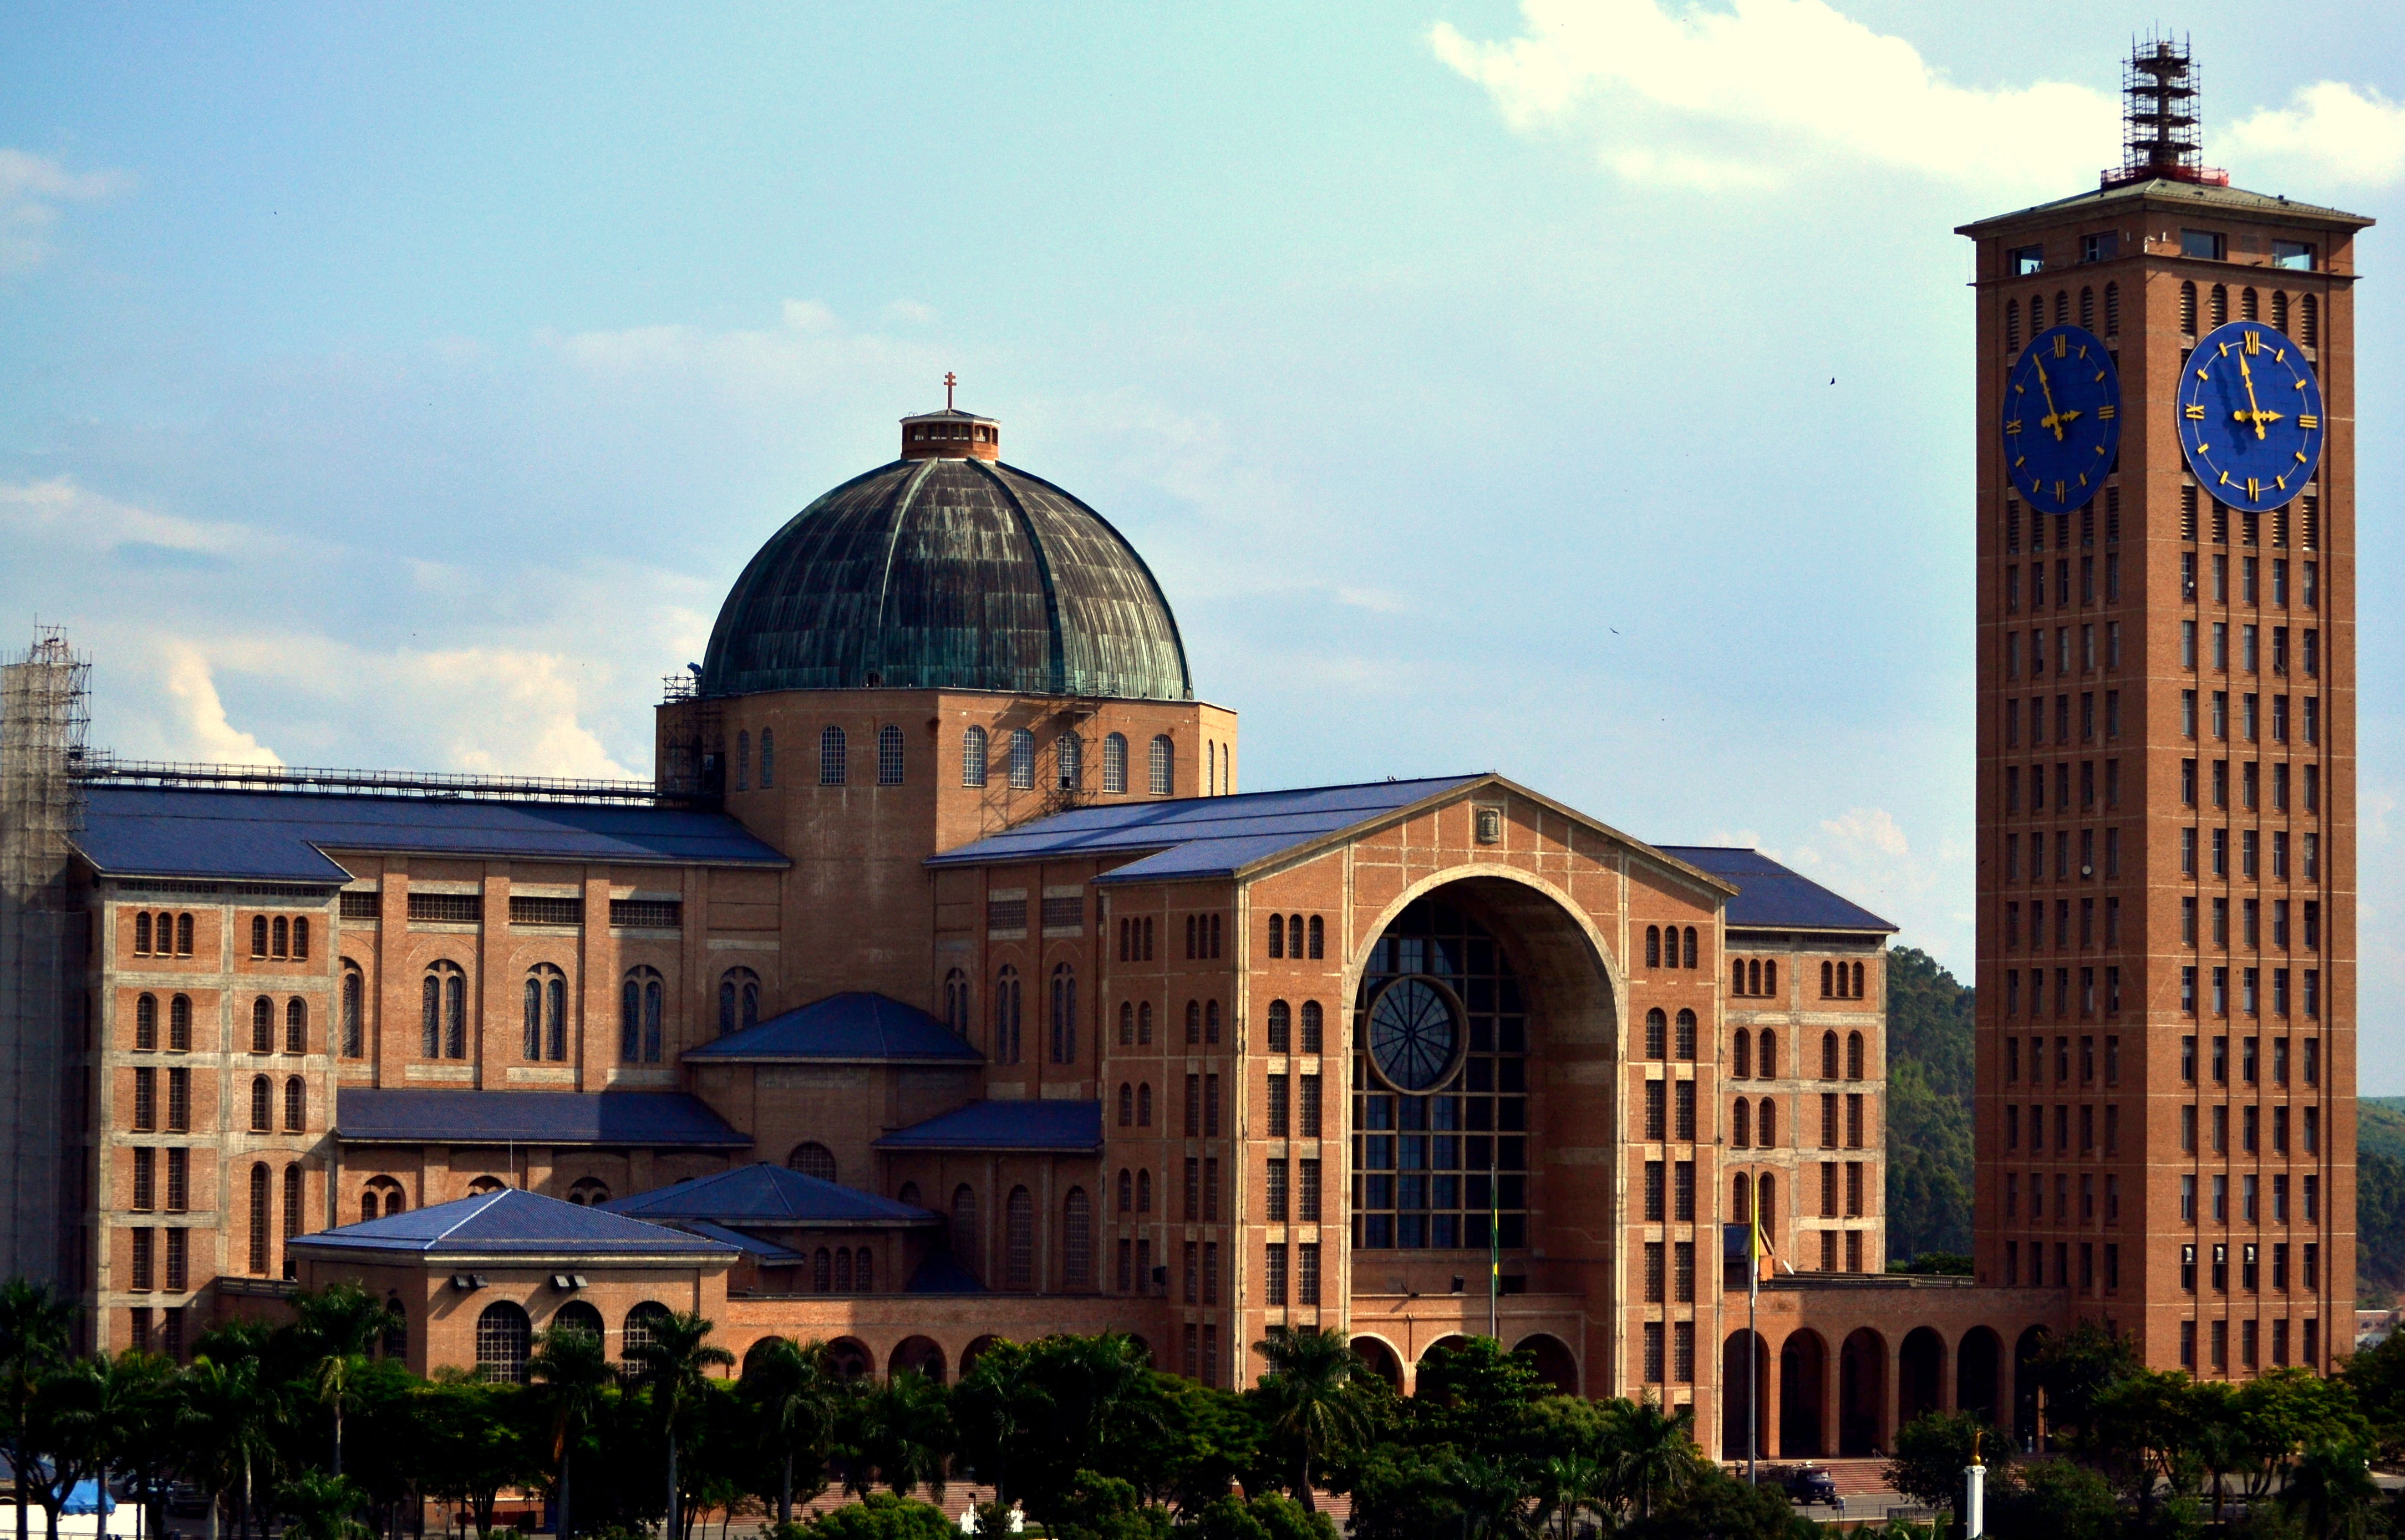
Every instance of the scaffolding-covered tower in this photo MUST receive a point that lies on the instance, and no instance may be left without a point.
(43, 956)
(2163, 134)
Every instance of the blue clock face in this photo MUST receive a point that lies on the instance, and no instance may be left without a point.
(2250, 416)
(2062, 418)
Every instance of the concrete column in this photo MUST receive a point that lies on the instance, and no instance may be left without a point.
(1945, 1375)
(1832, 1385)
(1891, 1394)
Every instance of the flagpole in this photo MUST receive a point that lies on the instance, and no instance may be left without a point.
(1494, 1239)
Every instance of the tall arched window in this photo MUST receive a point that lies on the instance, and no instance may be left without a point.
(889, 756)
(1069, 753)
(2218, 304)
(1741, 1199)
(1689, 958)
(1828, 1055)
(1858, 980)
(1657, 1035)
(1165, 767)
(300, 939)
(1740, 1125)
(1127, 1104)
(1854, 1056)
(1077, 1240)
(1006, 1015)
(184, 927)
(1064, 1014)
(864, 1276)
(1314, 1020)
(1143, 1023)
(263, 1104)
(1766, 1123)
(142, 935)
(1828, 981)
(1741, 1054)
(1022, 759)
(640, 1001)
(1281, 1027)
(546, 1014)
(2311, 307)
(972, 758)
(1194, 1024)
(145, 1023)
(354, 994)
(956, 1001)
(443, 1000)
(263, 1026)
(295, 1105)
(812, 1159)
(1767, 1054)
(1210, 1021)
(742, 761)
(1018, 1239)
(1277, 936)
(1144, 1191)
(1127, 1023)
(2062, 308)
(964, 1229)
(1127, 1191)
(1770, 976)
(1737, 975)
(1765, 1201)
(1318, 937)
(282, 945)
(1686, 1035)
(259, 935)
(834, 763)
(738, 1000)
(643, 1326)
(843, 1269)
(503, 1335)
(767, 758)
(2247, 304)
(822, 1273)
(179, 1024)
(2112, 309)
(2188, 309)
(1752, 977)
(2088, 308)
(1115, 763)
(260, 1219)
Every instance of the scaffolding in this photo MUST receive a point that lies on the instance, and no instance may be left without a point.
(44, 715)
(103, 768)
(2163, 134)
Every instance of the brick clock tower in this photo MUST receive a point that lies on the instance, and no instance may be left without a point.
(2166, 738)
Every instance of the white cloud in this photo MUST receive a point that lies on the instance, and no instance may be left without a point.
(31, 189)
(199, 729)
(2332, 131)
(40, 510)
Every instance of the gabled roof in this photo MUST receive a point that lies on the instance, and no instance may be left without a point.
(1776, 898)
(282, 837)
(1066, 1127)
(768, 1254)
(659, 1119)
(510, 1222)
(855, 1026)
(2172, 192)
(765, 1195)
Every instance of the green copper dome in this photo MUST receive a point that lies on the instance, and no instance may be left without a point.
(954, 574)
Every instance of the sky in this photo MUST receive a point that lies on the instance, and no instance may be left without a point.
(1576, 388)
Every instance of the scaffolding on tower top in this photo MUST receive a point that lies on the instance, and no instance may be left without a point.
(2163, 132)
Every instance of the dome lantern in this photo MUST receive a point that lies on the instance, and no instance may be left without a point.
(951, 433)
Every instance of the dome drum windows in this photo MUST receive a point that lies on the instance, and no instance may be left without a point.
(972, 758)
(889, 756)
(1115, 765)
(1069, 756)
(1022, 760)
(834, 757)
(1164, 781)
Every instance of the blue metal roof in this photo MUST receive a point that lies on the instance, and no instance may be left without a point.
(669, 1119)
(940, 1273)
(1771, 895)
(282, 837)
(768, 1252)
(850, 1026)
(1201, 836)
(1073, 1127)
(512, 1221)
(768, 1195)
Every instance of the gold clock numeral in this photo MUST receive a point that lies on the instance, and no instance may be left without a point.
(2105, 413)
(2057, 491)
(2013, 427)
(2281, 482)
(2280, 356)
(2195, 414)
(2202, 375)
(2308, 420)
(2100, 449)
(2225, 349)
(2062, 344)
(2083, 475)
(2201, 446)
(2300, 457)
(2254, 487)
(2020, 460)
(2254, 342)
(2225, 475)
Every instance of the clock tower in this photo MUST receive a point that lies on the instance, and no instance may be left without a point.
(2166, 1027)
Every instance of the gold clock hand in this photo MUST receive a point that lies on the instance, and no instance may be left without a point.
(2053, 419)
(2254, 407)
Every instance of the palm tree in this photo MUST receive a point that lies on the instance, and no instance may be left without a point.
(223, 1421)
(574, 1371)
(344, 1324)
(34, 1324)
(1651, 1451)
(797, 1391)
(905, 1434)
(1315, 1400)
(676, 1362)
(321, 1506)
(2333, 1485)
(1572, 1485)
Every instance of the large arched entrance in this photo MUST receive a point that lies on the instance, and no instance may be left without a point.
(1381, 1360)
(1977, 1362)
(1803, 1376)
(2026, 1430)
(917, 1355)
(1862, 1393)
(1739, 1398)
(1554, 1363)
(1920, 1374)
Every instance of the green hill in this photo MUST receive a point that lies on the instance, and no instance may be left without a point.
(1928, 1068)
(2379, 1200)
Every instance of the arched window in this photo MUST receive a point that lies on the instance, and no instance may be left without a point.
(179, 1024)
(1277, 936)
(1766, 1054)
(1828, 981)
(1318, 937)
(1069, 754)
(642, 1325)
(485, 1186)
(2012, 325)
(1294, 935)
(964, 1228)
(843, 1269)
(742, 761)
(2112, 309)
(738, 1000)
(1127, 1104)
(1018, 1239)
(1006, 1015)
(1143, 1104)
(1854, 1056)
(1127, 1191)
(972, 758)
(1770, 977)
(1077, 1240)
(282, 945)
(812, 1159)
(1144, 1023)
(834, 762)
(1115, 763)
(1165, 767)
(145, 1023)
(295, 1105)
(1127, 1023)
(956, 1001)
(296, 1026)
(1688, 959)
(864, 1274)
(538, 995)
(142, 934)
(263, 1026)
(588, 1191)
(2217, 305)
(2312, 318)
(641, 999)
(1144, 1191)
(1766, 1123)
(1194, 1023)
(291, 1212)
(2188, 309)
(1752, 977)
(1741, 1054)
(355, 994)
(1858, 980)
(1281, 1027)
(1828, 1055)
(503, 1335)
(260, 1219)
(909, 1194)
(2246, 306)
(1686, 1035)
(1741, 1199)
(259, 935)
(2088, 308)
(1740, 1125)
(1657, 1035)
(1210, 769)
(2062, 308)
(444, 1013)
(889, 756)
(1314, 1020)
(1210, 1021)
(1064, 1014)
(383, 1195)
(823, 1275)
(263, 1104)
(767, 758)
(300, 939)
(1765, 1201)
(1022, 759)
(1737, 975)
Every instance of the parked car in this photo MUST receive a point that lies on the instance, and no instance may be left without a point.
(1810, 1484)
